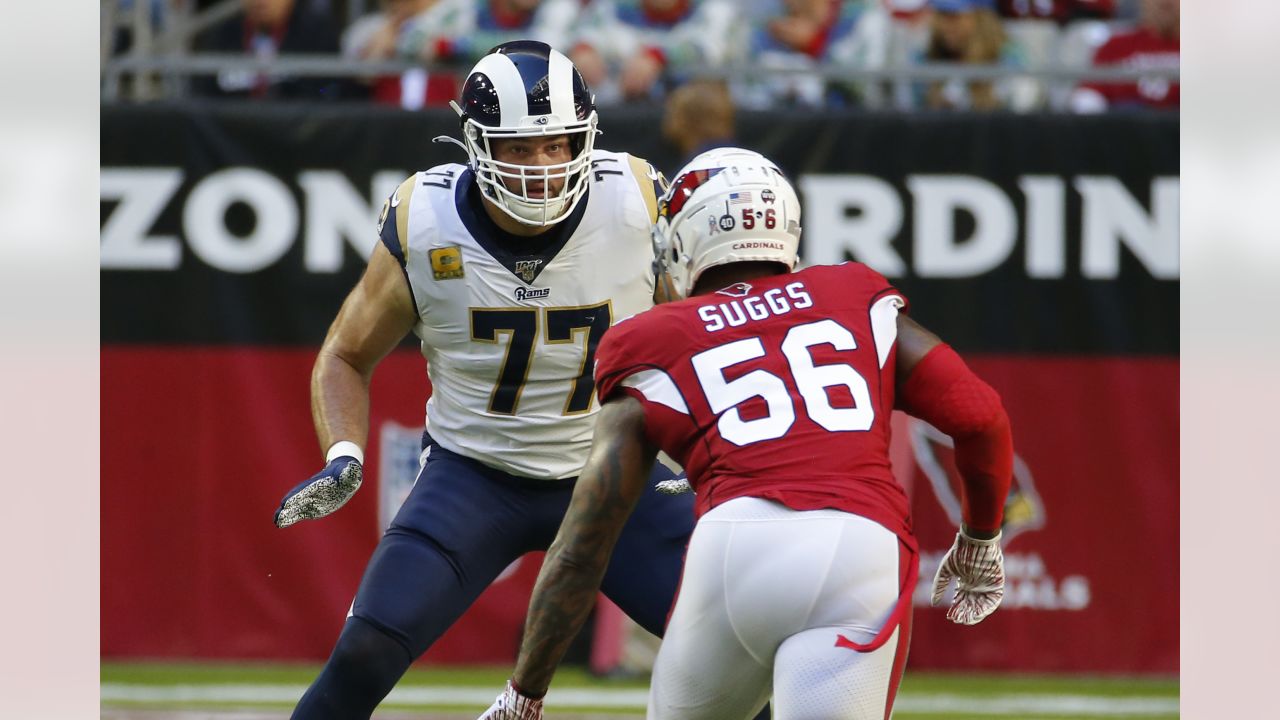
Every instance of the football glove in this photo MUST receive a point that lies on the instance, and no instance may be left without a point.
(322, 493)
(674, 486)
(978, 567)
(513, 705)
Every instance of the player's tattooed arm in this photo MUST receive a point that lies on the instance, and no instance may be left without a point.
(607, 491)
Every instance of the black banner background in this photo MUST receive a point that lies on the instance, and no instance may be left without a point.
(1000, 311)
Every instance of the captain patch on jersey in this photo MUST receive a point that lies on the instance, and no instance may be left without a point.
(446, 262)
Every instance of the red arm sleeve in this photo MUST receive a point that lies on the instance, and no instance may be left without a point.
(945, 393)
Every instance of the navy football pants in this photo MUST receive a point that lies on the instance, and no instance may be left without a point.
(463, 524)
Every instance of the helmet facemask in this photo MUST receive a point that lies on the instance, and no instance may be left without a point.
(526, 89)
(516, 200)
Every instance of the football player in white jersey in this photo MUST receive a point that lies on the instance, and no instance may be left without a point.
(509, 269)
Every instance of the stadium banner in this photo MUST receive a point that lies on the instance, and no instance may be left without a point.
(1043, 248)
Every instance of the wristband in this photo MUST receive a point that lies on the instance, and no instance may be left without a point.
(521, 692)
(981, 541)
(344, 447)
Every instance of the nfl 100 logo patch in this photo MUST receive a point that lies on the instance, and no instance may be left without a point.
(446, 262)
(528, 269)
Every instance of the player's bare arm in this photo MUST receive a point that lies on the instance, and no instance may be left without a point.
(914, 342)
(374, 318)
(606, 493)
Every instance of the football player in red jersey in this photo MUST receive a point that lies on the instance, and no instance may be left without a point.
(774, 389)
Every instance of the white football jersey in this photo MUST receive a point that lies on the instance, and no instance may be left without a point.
(510, 337)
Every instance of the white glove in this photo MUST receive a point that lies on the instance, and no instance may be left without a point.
(511, 705)
(674, 486)
(978, 567)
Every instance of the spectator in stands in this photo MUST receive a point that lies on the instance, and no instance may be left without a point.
(494, 22)
(698, 117)
(1153, 44)
(1060, 11)
(266, 29)
(884, 34)
(120, 38)
(968, 32)
(399, 30)
(804, 26)
(626, 48)
(794, 35)
(448, 37)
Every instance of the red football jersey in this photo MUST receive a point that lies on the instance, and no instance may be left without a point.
(780, 388)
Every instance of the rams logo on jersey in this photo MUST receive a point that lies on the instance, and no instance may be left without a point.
(531, 293)
(446, 262)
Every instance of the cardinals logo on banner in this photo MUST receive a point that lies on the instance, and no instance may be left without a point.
(935, 455)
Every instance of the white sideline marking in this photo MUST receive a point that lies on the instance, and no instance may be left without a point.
(1074, 705)
(635, 699)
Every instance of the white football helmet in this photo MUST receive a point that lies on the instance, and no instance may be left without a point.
(727, 205)
(525, 88)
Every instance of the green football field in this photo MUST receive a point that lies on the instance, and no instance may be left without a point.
(145, 691)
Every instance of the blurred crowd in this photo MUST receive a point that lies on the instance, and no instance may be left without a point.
(774, 53)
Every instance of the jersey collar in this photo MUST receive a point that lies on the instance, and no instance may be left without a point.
(508, 248)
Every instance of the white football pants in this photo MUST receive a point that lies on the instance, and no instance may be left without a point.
(766, 595)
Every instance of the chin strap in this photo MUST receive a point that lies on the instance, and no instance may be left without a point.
(543, 210)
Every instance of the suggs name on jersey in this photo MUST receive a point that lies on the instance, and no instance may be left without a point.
(735, 313)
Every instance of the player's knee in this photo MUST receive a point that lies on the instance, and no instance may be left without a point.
(364, 666)
(367, 654)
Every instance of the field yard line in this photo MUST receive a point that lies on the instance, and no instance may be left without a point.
(1074, 705)
(634, 699)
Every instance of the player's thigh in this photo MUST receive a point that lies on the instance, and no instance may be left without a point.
(703, 669)
(456, 532)
(464, 506)
(788, 571)
(818, 671)
(814, 679)
(700, 676)
(644, 570)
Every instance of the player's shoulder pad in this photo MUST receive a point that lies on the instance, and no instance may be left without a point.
(449, 169)
(620, 342)
(875, 285)
(852, 272)
(393, 221)
(651, 182)
(648, 333)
